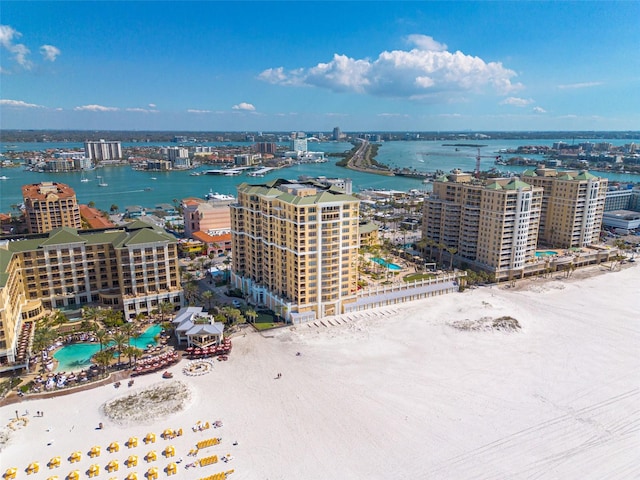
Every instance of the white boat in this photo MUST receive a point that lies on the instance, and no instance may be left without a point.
(4, 177)
(102, 183)
(153, 178)
(83, 179)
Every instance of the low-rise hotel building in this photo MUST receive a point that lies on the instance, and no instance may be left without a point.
(132, 268)
(295, 247)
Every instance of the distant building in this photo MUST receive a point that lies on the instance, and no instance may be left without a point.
(266, 147)
(103, 150)
(337, 134)
(50, 205)
(299, 145)
(622, 198)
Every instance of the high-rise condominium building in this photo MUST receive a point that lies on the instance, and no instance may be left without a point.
(295, 247)
(572, 206)
(103, 150)
(50, 205)
(134, 269)
(493, 226)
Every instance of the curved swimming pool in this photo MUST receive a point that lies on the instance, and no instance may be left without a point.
(77, 356)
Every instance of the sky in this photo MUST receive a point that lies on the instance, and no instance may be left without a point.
(313, 66)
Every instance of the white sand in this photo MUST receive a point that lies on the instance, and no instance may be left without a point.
(398, 393)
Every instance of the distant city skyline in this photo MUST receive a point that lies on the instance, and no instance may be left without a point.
(312, 66)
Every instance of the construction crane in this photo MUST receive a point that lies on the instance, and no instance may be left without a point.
(478, 157)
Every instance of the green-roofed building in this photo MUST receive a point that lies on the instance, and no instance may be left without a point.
(493, 226)
(133, 269)
(572, 207)
(295, 247)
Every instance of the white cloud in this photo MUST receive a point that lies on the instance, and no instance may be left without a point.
(19, 50)
(18, 104)
(140, 110)
(539, 110)
(396, 115)
(427, 73)
(96, 108)
(517, 102)
(152, 105)
(49, 52)
(425, 42)
(194, 110)
(571, 86)
(244, 106)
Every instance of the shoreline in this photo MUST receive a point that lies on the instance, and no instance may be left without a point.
(398, 391)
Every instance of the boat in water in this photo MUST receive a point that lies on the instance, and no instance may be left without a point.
(101, 182)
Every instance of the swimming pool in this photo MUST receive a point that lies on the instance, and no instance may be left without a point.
(546, 253)
(390, 266)
(77, 356)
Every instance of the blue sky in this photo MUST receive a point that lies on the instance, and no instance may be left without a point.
(311, 66)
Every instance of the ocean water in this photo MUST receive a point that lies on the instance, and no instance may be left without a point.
(128, 187)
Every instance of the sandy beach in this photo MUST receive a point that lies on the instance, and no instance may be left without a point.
(405, 392)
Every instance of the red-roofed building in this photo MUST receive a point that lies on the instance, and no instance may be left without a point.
(216, 244)
(94, 217)
(50, 205)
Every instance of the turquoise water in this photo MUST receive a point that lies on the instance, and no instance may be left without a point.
(546, 253)
(77, 356)
(390, 266)
(130, 187)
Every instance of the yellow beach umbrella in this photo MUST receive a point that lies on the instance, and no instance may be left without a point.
(94, 470)
(131, 476)
(54, 462)
(152, 473)
(132, 442)
(112, 466)
(95, 451)
(172, 469)
(113, 447)
(74, 475)
(132, 461)
(33, 467)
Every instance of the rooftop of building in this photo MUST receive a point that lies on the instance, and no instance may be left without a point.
(298, 192)
(47, 191)
(95, 218)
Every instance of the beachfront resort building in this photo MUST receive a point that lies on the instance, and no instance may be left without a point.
(295, 247)
(103, 150)
(132, 268)
(493, 226)
(572, 206)
(50, 205)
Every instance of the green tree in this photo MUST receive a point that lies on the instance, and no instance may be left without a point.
(208, 297)
(251, 314)
(91, 204)
(114, 208)
(121, 342)
(102, 336)
(164, 309)
(103, 359)
(452, 251)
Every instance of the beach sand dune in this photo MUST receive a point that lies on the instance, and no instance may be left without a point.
(398, 393)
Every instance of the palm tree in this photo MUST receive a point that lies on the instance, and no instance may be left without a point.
(452, 251)
(441, 247)
(251, 314)
(102, 336)
(208, 296)
(190, 291)
(165, 308)
(128, 329)
(120, 339)
(103, 359)
(132, 352)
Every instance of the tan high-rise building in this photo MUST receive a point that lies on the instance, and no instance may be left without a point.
(50, 205)
(493, 226)
(132, 268)
(572, 206)
(295, 247)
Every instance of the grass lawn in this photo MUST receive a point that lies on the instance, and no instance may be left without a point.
(265, 321)
(418, 276)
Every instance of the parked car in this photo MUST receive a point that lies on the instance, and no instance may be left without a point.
(236, 303)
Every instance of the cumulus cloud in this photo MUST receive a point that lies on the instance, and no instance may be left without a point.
(570, 86)
(19, 51)
(539, 110)
(404, 115)
(517, 102)
(195, 110)
(244, 106)
(96, 108)
(428, 72)
(18, 104)
(49, 52)
(152, 105)
(425, 42)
